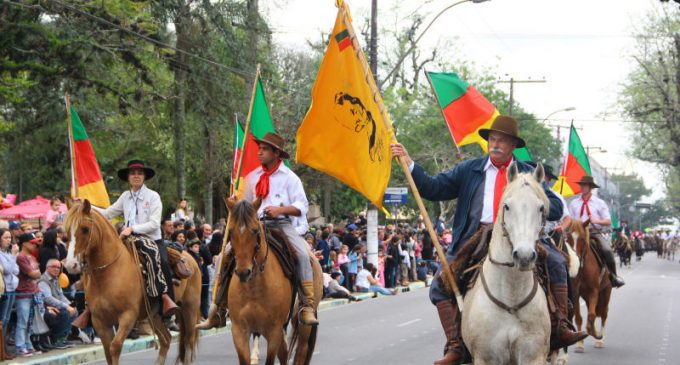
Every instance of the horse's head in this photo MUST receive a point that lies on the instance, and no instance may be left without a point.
(80, 230)
(577, 236)
(522, 214)
(245, 235)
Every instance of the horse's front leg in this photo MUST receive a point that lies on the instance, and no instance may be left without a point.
(579, 322)
(105, 333)
(164, 337)
(241, 339)
(125, 323)
(276, 346)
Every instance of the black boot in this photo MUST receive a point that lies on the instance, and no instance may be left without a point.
(610, 262)
(45, 342)
(35, 340)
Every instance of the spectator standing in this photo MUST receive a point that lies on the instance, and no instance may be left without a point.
(392, 258)
(182, 211)
(10, 270)
(29, 273)
(49, 249)
(15, 230)
(324, 249)
(350, 239)
(334, 239)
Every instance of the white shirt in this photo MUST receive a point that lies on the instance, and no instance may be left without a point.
(551, 225)
(285, 188)
(144, 217)
(300, 224)
(598, 209)
(362, 279)
(491, 172)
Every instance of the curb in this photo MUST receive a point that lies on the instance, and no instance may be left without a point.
(90, 353)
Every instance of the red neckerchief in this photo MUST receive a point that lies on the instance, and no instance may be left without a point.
(584, 205)
(501, 181)
(262, 187)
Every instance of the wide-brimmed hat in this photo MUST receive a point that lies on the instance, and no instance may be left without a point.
(136, 164)
(585, 179)
(275, 141)
(506, 125)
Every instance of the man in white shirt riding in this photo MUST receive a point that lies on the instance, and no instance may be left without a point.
(585, 207)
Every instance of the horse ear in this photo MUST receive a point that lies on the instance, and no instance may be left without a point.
(539, 173)
(87, 207)
(69, 202)
(257, 203)
(512, 172)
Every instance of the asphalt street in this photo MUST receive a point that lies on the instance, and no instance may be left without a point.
(643, 328)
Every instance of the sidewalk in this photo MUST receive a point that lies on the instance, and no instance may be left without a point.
(89, 353)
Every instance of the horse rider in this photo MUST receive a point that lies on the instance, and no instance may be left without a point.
(478, 185)
(586, 206)
(141, 208)
(284, 203)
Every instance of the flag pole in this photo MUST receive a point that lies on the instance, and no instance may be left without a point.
(436, 97)
(74, 182)
(221, 264)
(447, 274)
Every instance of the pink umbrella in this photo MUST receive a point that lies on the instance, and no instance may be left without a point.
(35, 208)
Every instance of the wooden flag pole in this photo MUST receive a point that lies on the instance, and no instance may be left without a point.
(74, 181)
(221, 264)
(436, 97)
(445, 269)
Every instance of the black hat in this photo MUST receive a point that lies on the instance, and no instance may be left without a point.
(506, 125)
(136, 164)
(28, 237)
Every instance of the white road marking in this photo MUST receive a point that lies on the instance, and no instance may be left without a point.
(409, 322)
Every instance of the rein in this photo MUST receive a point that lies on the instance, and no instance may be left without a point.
(261, 238)
(85, 269)
(514, 309)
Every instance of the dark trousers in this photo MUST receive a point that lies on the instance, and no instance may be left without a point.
(59, 324)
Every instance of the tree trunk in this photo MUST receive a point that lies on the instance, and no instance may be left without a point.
(179, 111)
(327, 194)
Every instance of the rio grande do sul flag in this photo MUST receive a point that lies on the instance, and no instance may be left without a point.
(343, 133)
(86, 177)
(576, 165)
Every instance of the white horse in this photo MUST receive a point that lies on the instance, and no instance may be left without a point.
(505, 317)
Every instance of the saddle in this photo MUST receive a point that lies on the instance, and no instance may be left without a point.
(178, 263)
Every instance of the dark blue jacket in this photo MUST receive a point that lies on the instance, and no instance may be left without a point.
(460, 183)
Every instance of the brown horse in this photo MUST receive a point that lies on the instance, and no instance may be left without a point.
(260, 295)
(114, 289)
(592, 283)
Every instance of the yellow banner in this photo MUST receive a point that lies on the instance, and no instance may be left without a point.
(343, 133)
(562, 186)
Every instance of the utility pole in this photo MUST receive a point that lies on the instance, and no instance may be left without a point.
(512, 83)
(372, 211)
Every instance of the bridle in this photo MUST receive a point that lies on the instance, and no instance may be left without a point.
(258, 244)
(515, 308)
(85, 269)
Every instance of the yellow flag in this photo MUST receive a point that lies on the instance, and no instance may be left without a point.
(343, 133)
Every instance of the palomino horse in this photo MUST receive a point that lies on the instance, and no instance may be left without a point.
(260, 295)
(592, 283)
(505, 317)
(670, 245)
(114, 290)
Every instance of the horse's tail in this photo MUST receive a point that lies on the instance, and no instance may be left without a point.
(188, 338)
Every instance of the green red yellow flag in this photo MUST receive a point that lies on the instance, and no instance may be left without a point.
(464, 108)
(86, 178)
(260, 124)
(575, 166)
(343, 133)
(522, 154)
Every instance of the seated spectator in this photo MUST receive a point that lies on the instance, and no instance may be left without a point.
(366, 282)
(60, 313)
(422, 271)
(337, 291)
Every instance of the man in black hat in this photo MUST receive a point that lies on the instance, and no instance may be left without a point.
(585, 207)
(283, 197)
(478, 185)
(142, 208)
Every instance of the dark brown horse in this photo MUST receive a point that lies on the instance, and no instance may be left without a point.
(260, 295)
(592, 283)
(114, 289)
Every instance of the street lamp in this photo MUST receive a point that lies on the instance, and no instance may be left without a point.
(568, 109)
(413, 46)
(595, 149)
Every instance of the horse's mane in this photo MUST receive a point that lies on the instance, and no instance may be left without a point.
(244, 214)
(74, 218)
(527, 179)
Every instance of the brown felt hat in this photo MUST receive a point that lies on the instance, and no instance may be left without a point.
(275, 141)
(585, 179)
(506, 125)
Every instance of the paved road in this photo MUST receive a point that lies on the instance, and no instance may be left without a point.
(644, 327)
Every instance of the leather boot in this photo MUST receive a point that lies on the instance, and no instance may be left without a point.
(308, 313)
(566, 334)
(610, 262)
(449, 318)
(169, 307)
(217, 317)
(82, 320)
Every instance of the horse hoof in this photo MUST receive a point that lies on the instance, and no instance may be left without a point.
(254, 361)
(599, 344)
(579, 349)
